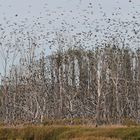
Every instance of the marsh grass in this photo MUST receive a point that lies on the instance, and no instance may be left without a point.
(70, 133)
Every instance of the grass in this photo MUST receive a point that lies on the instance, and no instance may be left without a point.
(70, 133)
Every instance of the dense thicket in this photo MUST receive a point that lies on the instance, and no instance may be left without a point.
(102, 84)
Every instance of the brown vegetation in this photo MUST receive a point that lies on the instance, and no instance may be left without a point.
(70, 133)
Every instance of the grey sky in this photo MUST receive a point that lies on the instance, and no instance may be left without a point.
(32, 9)
(72, 11)
(35, 8)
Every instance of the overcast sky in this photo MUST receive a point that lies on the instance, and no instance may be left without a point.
(29, 11)
(35, 8)
(73, 12)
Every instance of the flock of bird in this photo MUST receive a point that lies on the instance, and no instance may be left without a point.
(79, 26)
